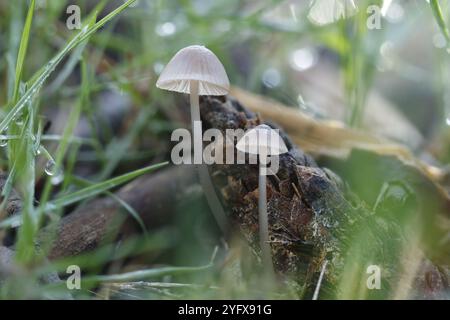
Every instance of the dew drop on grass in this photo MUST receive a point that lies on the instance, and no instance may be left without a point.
(3, 141)
(56, 174)
(271, 78)
(165, 29)
(50, 168)
(158, 67)
(57, 178)
(50, 206)
(303, 59)
(19, 120)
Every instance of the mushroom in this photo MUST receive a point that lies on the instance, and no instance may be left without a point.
(264, 142)
(196, 70)
(323, 12)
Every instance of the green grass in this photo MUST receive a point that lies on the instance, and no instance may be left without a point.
(24, 136)
(441, 21)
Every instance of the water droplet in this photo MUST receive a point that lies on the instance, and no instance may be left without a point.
(3, 141)
(50, 206)
(387, 49)
(396, 13)
(165, 29)
(19, 121)
(303, 59)
(158, 67)
(50, 168)
(271, 78)
(301, 102)
(56, 174)
(37, 151)
(57, 178)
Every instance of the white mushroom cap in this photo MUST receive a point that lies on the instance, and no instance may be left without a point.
(262, 140)
(195, 63)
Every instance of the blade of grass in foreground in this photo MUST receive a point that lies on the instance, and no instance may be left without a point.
(74, 58)
(26, 176)
(21, 153)
(156, 242)
(123, 203)
(68, 132)
(98, 188)
(11, 222)
(37, 83)
(22, 51)
(149, 273)
(90, 191)
(437, 12)
(20, 60)
(144, 274)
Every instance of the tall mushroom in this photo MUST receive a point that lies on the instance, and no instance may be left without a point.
(264, 142)
(195, 70)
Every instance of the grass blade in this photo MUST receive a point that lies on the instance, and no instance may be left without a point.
(150, 273)
(74, 57)
(437, 12)
(20, 60)
(101, 187)
(123, 203)
(145, 274)
(11, 222)
(68, 132)
(26, 179)
(22, 51)
(37, 83)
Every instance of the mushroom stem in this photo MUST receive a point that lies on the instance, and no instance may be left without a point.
(263, 221)
(196, 122)
(211, 198)
(205, 179)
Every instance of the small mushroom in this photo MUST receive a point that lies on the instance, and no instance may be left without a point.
(323, 12)
(195, 70)
(264, 142)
